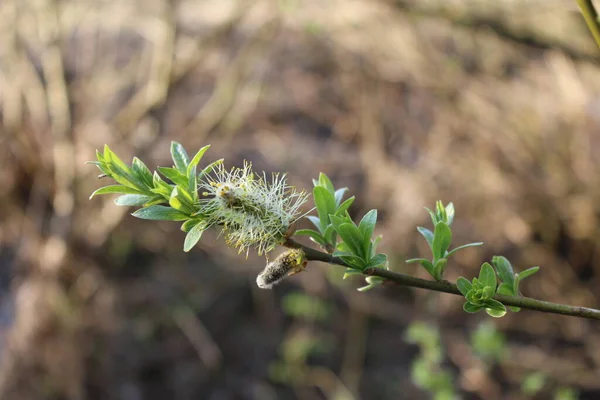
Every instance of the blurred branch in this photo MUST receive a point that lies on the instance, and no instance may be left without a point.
(448, 287)
(591, 18)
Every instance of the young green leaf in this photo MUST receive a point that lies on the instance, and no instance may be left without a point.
(424, 263)
(193, 236)
(528, 272)
(174, 175)
(339, 194)
(427, 234)
(350, 272)
(464, 286)
(177, 201)
(439, 267)
(504, 269)
(134, 199)
(190, 223)
(119, 171)
(450, 213)
(352, 237)
(378, 261)
(196, 159)
(315, 221)
(192, 186)
(209, 168)
(494, 308)
(160, 213)
(505, 289)
(141, 172)
(342, 208)
(442, 237)
(180, 157)
(313, 235)
(325, 182)
(367, 225)
(115, 189)
(325, 204)
(487, 276)
(471, 308)
(464, 246)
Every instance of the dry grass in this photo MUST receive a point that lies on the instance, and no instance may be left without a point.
(491, 105)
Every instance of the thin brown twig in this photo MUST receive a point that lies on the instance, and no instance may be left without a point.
(449, 287)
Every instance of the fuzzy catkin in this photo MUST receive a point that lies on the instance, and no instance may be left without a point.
(288, 263)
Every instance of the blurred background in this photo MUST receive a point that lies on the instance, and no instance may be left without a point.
(492, 105)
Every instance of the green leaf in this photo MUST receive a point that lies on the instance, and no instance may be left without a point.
(311, 233)
(442, 237)
(494, 308)
(193, 236)
(192, 186)
(450, 213)
(464, 246)
(119, 171)
(339, 194)
(177, 201)
(432, 215)
(367, 225)
(528, 272)
(115, 189)
(196, 159)
(471, 308)
(325, 182)
(350, 272)
(505, 289)
(424, 263)
(325, 203)
(134, 199)
(174, 175)
(351, 235)
(464, 286)
(190, 223)
(180, 157)
(141, 172)
(439, 267)
(379, 260)
(208, 169)
(342, 208)
(315, 221)
(330, 235)
(427, 234)
(160, 213)
(487, 276)
(504, 269)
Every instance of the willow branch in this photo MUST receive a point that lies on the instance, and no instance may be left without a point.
(591, 18)
(449, 287)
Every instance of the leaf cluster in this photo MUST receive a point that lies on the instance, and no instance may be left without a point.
(159, 199)
(339, 235)
(439, 240)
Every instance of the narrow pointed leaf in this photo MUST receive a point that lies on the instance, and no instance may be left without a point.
(193, 236)
(367, 225)
(342, 208)
(115, 189)
(442, 237)
(325, 182)
(464, 246)
(196, 159)
(528, 272)
(133, 200)
(325, 204)
(160, 213)
(427, 234)
(316, 221)
(174, 176)
(141, 172)
(339, 194)
(180, 157)
(351, 235)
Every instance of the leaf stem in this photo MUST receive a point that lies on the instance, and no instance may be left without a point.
(591, 18)
(449, 287)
